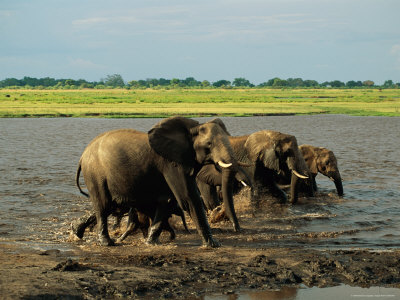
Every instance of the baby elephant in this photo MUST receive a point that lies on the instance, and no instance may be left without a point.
(138, 220)
(322, 160)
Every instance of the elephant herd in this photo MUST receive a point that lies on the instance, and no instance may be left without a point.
(183, 165)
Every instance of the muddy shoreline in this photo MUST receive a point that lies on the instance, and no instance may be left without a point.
(184, 270)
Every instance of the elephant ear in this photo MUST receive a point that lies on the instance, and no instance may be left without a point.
(310, 157)
(220, 123)
(171, 139)
(210, 175)
(261, 146)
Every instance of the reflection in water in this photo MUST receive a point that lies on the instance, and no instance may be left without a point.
(287, 293)
(332, 293)
(39, 198)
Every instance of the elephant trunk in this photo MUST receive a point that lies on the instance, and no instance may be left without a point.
(228, 176)
(299, 171)
(337, 179)
(182, 215)
(294, 188)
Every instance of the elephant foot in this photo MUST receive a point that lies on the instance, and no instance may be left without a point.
(78, 230)
(211, 243)
(106, 241)
(282, 199)
(152, 242)
(172, 237)
(236, 228)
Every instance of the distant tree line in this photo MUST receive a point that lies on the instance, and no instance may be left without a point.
(116, 81)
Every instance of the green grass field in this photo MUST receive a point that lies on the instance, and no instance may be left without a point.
(197, 102)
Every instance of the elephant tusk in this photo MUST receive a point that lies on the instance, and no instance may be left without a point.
(242, 182)
(224, 165)
(299, 175)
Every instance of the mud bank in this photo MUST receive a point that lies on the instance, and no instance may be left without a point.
(183, 270)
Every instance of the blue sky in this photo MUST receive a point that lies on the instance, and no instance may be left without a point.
(322, 40)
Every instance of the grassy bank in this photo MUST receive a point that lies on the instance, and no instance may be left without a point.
(197, 102)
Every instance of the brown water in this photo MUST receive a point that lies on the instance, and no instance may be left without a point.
(38, 197)
(331, 293)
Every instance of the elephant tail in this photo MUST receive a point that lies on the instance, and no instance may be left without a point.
(78, 173)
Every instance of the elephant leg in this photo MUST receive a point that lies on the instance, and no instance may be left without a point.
(166, 226)
(156, 226)
(132, 226)
(186, 193)
(102, 228)
(227, 196)
(144, 224)
(79, 230)
(209, 195)
(254, 198)
(184, 222)
(100, 198)
(277, 192)
(118, 219)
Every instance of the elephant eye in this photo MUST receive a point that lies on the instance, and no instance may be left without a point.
(203, 130)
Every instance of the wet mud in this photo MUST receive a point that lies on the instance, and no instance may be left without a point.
(185, 271)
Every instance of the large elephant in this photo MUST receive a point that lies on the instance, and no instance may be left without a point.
(127, 168)
(274, 155)
(322, 160)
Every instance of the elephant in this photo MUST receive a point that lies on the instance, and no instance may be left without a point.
(209, 182)
(136, 221)
(322, 160)
(274, 155)
(126, 168)
(140, 221)
(270, 157)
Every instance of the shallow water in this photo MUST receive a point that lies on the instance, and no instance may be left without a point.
(331, 293)
(38, 160)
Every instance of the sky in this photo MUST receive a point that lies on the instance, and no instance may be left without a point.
(322, 40)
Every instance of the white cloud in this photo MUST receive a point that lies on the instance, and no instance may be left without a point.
(5, 13)
(90, 21)
(395, 50)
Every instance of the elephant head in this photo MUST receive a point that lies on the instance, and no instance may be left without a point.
(278, 154)
(193, 145)
(323, 160)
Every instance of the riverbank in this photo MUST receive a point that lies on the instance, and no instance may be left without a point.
(183, 270)
(121, 103)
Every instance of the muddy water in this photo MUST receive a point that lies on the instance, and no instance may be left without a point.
(332, 293)
(38, 197)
